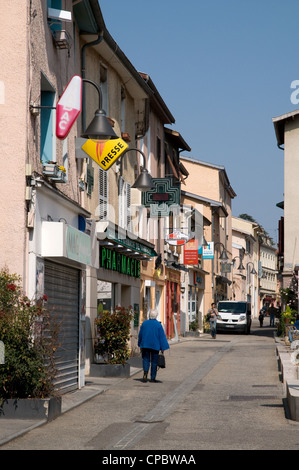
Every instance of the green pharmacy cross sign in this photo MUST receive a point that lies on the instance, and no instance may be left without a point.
(162, 197)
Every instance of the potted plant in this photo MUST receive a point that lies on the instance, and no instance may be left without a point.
(112, 341)
(29, 339)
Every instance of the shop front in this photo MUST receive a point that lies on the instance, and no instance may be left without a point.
(59, 253)
(173, 294)
(119, 274)
(196, 306)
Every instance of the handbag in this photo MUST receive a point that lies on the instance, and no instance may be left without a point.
(161, 361)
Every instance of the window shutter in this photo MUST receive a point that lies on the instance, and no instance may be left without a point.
(124, 214)
(128, 207)
(103, 195)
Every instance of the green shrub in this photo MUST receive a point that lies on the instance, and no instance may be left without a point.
(113, 335)
(30, 342)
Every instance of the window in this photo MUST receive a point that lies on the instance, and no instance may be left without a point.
(47, 122)
(56, 5)
(124, 217)
(103, 195)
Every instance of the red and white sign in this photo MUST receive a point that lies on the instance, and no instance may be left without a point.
(68, 107)
(177, 238)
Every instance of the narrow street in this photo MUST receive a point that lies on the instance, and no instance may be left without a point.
(214, 394)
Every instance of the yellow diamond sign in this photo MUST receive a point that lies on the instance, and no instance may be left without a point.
(105, 152)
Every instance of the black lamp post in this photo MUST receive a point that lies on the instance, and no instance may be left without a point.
(100, 127)
(252, 271)
(241, 267)
(223, 255)
(144, 181)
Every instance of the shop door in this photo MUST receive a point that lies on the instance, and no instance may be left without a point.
(62, 289)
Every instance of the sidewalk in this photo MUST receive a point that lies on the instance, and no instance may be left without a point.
(12, 428)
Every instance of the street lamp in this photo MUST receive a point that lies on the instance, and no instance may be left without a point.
(241, 267)
(223, 255)
(253, 271)
(144, 181)
(100, 127)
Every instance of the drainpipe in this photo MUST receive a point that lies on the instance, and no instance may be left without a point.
(83, 51)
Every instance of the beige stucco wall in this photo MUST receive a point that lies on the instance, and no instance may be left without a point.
(207, 181)
(13, 142)
(291, 194)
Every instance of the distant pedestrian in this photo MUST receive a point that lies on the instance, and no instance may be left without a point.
(151, 340)
(272, 311)
(212, 318)
(261, 318)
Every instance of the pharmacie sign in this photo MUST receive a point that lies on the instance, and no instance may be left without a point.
(123, 264)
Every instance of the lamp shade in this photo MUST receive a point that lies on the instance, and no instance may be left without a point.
(99, 128)
(223, 256)
(144, 182)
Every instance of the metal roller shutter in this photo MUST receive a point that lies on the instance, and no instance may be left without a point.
(62, 289)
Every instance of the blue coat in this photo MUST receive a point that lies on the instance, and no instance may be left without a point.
(152, 336)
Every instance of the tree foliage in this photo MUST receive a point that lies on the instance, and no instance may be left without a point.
(30, 341)
(113, 335)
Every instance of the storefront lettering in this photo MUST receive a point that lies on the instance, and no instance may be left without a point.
(118, 262)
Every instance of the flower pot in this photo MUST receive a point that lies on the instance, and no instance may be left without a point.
(31, 408)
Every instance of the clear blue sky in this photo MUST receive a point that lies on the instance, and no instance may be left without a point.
(224, 68)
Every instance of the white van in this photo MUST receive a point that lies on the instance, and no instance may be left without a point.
(234, 316)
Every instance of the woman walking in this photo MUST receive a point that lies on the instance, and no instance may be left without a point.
(151, 340)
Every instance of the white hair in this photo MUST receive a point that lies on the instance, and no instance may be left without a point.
(153, 314)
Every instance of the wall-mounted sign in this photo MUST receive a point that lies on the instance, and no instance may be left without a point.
(225, 268)
(160, 199)
(207, 251)
(191, 252)
(176, 237)
(68, 107)
(119, 262)
(78, 245)
(105, 152)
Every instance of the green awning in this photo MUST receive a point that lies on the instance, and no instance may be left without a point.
(107, 231)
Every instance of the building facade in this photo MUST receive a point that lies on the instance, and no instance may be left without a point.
(245, 263)
(286, 129)
(208, 184)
